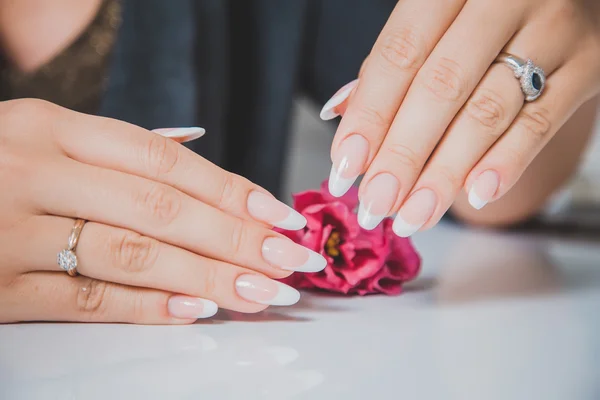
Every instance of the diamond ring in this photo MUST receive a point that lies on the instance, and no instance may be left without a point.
(532, 77)
(67, 259)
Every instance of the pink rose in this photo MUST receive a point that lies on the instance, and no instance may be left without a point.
(358, 261)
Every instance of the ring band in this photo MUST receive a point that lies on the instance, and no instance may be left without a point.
(532, 77)
(67, 259)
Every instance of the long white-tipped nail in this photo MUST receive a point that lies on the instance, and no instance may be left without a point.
(267, 208)
(475, 201)
(338, 186)
(378, 199)
(418, 209)
(293, 222)
(262, 290)
(348, 162)
(285, 254)
(404, 229)
(328, 112)
(181, 135)
(191, 307)
(484, 189)
(366, 220)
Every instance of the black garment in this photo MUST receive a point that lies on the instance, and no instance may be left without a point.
(234, 68)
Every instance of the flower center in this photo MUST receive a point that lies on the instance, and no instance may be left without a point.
(332, 246)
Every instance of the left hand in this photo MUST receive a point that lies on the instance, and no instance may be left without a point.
(433, 113)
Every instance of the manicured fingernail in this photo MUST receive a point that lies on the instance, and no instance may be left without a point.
(329, 109)
(415, 212)
(378, 199)
(181, 135)
(262, 290)
(285, 254)
(267, 208)
(191, 307)
(348, 163)
(484, 189)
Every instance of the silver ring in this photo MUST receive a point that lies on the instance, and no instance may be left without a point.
(67, 259)
(532, 77)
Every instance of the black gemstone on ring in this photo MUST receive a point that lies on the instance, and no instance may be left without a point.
(536, 81)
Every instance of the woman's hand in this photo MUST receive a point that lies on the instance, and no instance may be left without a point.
(432, 113)
(169, 235)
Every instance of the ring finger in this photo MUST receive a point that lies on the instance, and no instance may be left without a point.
(121, 256)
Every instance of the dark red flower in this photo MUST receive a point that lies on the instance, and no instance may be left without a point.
(358, 261)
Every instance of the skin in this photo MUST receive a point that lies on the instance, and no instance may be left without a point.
(145, 245)
(154, 232)
(154, 229)
(32, 32)
(530, 194)
(437, 112)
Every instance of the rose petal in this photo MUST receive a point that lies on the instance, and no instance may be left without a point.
(375, 261)
(350, 199)
(366, 265)
(307, 198)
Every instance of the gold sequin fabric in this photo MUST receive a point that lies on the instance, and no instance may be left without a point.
(77, 77)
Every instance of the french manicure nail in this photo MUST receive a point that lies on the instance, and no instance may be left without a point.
(328, 112)
(264, 207)
(348, 163)
(484, 189)
(262, 290)
(191, 307)
(415, 212)
(182, 135)
(378, 199)
(285, 254)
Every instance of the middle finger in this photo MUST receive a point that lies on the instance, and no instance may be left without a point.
(166, 214)
(121, 256)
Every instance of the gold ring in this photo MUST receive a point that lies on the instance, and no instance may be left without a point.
(67, 259)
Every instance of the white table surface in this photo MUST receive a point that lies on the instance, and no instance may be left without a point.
(492, 316)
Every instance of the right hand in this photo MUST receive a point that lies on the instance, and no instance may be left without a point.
(169, 236)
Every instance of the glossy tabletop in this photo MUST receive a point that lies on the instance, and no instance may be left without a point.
(492, 316)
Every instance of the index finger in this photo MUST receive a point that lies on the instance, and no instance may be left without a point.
(404, 44)
(124, 147)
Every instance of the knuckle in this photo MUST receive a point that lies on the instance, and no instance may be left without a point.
(132, 252)
(162, 155)
(446, 80)
(21, 114)
(227, 192)
(536, 122)
(16, 170)
(401, 50)
(138, 311)
(488, 109)
(237, 237)
(209, 281)
(373, 118)
(404, 156)
(162, 203)
(27, 108)
(448, 176)
(92, 297)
